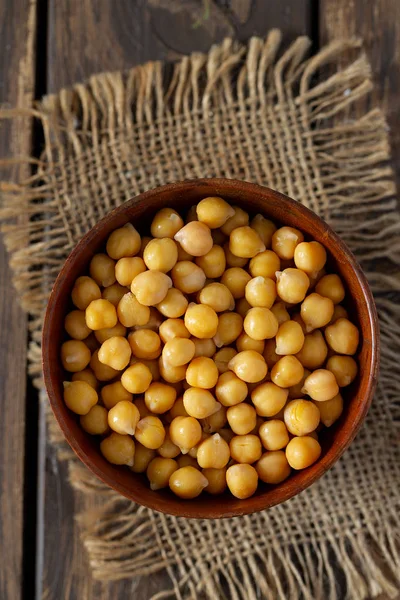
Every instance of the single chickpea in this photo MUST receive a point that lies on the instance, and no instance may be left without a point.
(213, 263)
(285, 240)
(260, 323)
(172, 328)
(342, 337)
(314, 350)
(265, 229)
(75, 355)
(169, 373)
(260, 292)
(316, 311)
(145, 343)
(344, 368)
(321, 385)
(127, 268)
(75, 325)
(330, 410)
(174, 304)
(231, 260)
(242, 480)
(202, 372)
(177, 410)
(289, 339)
(84, 292)
(302, 452)
(185, 460)
(102, 335)
(161, 254)
(230, 326)
(236, 279)
(118, 449)
(115, 352)
(245, 449)
(178, 351)
(154, 321)
(268, 399)
(201, 321)
(187, 482)
(273, 467)
(131, 313)
(217, 296)
(230, 390)
(292, 285)
(245, 342)
(150, 432)
(114, 293)
(168, 448)
(222, 358)
(100, 314)
(295, 390)
(301, 417)
(79, 396)
(245, 242)
(151, 364)
(124, 417)
(310, 257)
(242, 418)
(183, 255)
(159, 397)
(102, 270)
(86, 375)
(213, 453)
(214, 211)
(166, 223)
(188, 277)
(200, 403)
(249, 366)
(216, 480)
(195, 238)
(339, 312)
(143, 457)
(265, 264)
(137, 378)
(101, 371)
(204, 347)
(113, 393)
(95, 421)
(331, 287)
(160, 470)
(151, 287)
(287, 372)
(185, 432)
(215, 422)
(274, 435)
(239, 219)
(123, 242)
(269, 354)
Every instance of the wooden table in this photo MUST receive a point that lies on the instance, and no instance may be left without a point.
(48, 44)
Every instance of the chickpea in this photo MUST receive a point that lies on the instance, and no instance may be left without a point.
(314, 350)
(214, 212)
(330, 410)
(295, 391)
(316, 311)
(292, 285)
(182, 255)
(185, 432)
(79, 396)
(75, 355)
(118, 449)
(215, 422)
(273, 467)
(245, 342)
(114, 293)
(168, 448)
(174, 304)
(137, 378)
(344, 368)
(269, 354)
(200, 403)
(245, 242)
(75, 325)
(154, 322)
(289, 339)
(242, 480)
(239, 219)
(204, 347)
(95, 421)
(217, 296)
(159, 397)
(269, 399)
(230, 390)
(287, 372)
(127, 268)
(100, 314)
(321, 385)
(172, 328)
(84, 292)
(113, 393)
(195, 238)
(236, 279)
(201, 321)
(115, 352)
(86, 375)
(230, 326)
(185, 460)
(274, 435)
(166, 223)
(161, 254)
(285, 240)
(143, 457)
(310, 257)
(249, 366)
(123, 242)
(178, 351)
(177, 410)
(301, 417)
(151, 287)
(202, 372)
(108, 332)
(265, 229)
(302, 452)
(187, 482)
(145, 343)
(102, 270)
(216, 480)
(260, 323)
(213, 263)
(159, 471)
(242, 418)
(213, 453)
(124, 417)
(342, 337)
(222, 358)
(261, 291)
(339, 312)
(331, 286)
(245, 448)
(130, 312)
(265, 264)
(101, 371)
(150, 432)
(188, 277)
(231, 260)
(169, 373)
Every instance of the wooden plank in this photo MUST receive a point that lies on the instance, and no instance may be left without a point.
(16, 90)
(118, 36)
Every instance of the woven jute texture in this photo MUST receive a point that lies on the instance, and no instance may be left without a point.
(299, 125)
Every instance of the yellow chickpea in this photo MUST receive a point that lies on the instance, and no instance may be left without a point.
(154, 322)
(188, 277)
(201, 321)
(314, 350)
(150, 432)
(159, 397)
(295, 391)
(161, 254)
(287, 372)
(245, 449)
(130, 312)
(213, 453)
(285, 240)
(168, 448)
(172, 375)
(301, 417)
(102, 270)
(260, 323)
(242, 480)
(172, 328)
(249, 366)
(124, 417)
(145, 343)
(75, 325)
(143, 457)
(230, 326)
(187, 482)
(200, 403)
(160, 470)
(339, 312)
(108, 332)
(245, 342)
(95, 421)
(330, 410)
(265, 264)
(115, 352)
(127, 268)
(75, 355)
(342, 337)
(222, 358)
(344, 368)
(331, 286)
(242, 418)
(185, 432)
(202, 372)
(213, 263)
(123, 242)
(273, 467)
(236, 279)
(174, 304)
(268, 399)
(185, 460)
(302, 452)
(280, 312)
(216, 480)
(79, 396)
(101, 371)
(86, 375)
(118, 449)
(215, 422)
(178, 351)
(214, 211)
(274, 435)
(310, 257)
(316, 311)
(100, 314)
(166, 223)
(137, 378)
(260, 292)
(245, 242)
(84, 292)
(265, 229)
(151, 287)
(230, 390)
(204, 347)
(195, 238)
(114, 293)
(232, 260)
(113, 393)
(321, 385)
(289, 338)
(292, 285)
(217, 296)
(177, 410)
(240, 218)
(269, 354)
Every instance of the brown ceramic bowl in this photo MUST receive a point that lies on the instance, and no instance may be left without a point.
(255, 199)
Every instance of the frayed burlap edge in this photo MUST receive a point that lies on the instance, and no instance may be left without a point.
(120, 536)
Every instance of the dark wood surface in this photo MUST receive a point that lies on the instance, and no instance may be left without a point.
(74, 39)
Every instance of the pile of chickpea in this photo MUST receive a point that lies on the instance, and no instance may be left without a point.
(210, 354)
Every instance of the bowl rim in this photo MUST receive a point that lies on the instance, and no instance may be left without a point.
(179, 187)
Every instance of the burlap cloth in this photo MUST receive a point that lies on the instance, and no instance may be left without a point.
(288, 122)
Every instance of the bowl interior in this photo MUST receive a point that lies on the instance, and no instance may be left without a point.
(254, 199)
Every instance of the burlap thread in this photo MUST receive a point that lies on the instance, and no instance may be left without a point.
(275, 118)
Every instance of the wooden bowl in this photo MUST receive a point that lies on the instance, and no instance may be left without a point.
(255, 199)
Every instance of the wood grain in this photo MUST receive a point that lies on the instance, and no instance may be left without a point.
(16, 89)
